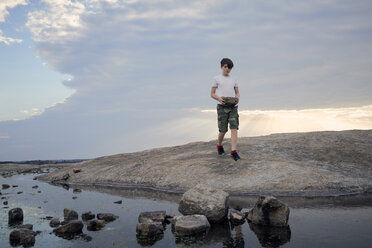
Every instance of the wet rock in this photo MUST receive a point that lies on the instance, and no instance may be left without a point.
(106, 217)
(54, 222)
(88, 215)
(169, 218)
(236, 217)
(203, 200)
(15, 216)
(155, 216)
(149, 228)
(5, 186)
(14, 186)
(118, 202)
(190, 225)
(76, 170)
(70, 229)
(5, 203)
(66, 186)
(35, 186)
(27, 226)
(74, 197)
(95, 225)
(19, 192)
(75, 191)
(269, 211)
(64, 222)
(70, 214)
(22, 236)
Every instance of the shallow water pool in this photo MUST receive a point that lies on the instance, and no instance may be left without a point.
(313, 222)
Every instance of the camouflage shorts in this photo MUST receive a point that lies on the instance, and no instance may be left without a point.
(227, 114)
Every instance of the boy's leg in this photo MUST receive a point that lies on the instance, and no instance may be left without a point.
(220, 138)
(234, 139)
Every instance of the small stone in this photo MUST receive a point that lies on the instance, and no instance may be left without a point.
(27, 226)
(118, 202)
(23, 237)
(39, 191)
(76, 191)
(70, 214)
(190, 225)
(269, 211)
(77, 170)
(15, 216)
(54, 222)
(106, 217)
(149, 229)
(5, 203)
(88, 215)
(6, 186)
(236, 217)
(48, 217)
(95, 225)
(14, 186)
(74, 197)
(156, 216)
(70, 229)
(19, 192)
(35, 186)
(169, 218)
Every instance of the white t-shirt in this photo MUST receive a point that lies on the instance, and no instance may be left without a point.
(225, 86)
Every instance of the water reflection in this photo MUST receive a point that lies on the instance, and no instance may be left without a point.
(269, 236)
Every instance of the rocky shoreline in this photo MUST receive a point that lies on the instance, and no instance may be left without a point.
(294, 164)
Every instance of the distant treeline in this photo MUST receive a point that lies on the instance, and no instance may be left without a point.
(40, 162)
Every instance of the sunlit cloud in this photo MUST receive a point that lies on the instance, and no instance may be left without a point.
(4, 137)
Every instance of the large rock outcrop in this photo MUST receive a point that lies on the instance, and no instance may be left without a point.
(306, 164)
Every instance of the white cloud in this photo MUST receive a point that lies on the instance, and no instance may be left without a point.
(4, 6)
(9, 4)
(8, 40)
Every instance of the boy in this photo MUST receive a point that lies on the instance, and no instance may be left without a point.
(226, 86)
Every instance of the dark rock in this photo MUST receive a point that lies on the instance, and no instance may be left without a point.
(74, 197)
(88, 215)
(64, 222)
(169, 218)
(106, 217)
(76, 170)
(190, 225)
(204, 200)
(48, 217)
(15, 216)
(150, 228)
(54, 222)
(236, 217)
(3, 197)
(155, 216)
(35, 186)
(39, 191)
(19, 192)
(6, 186)
(65, 177)
(22, 236)
(66, 186)
(14, 186)
(118, 202)
(70, 229)
(76, 191)
(27, 226)
(95, 225)
(269, 211)
(5, 203)
(70, 214)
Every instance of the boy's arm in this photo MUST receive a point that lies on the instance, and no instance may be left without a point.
(237, 94)
(214, 96)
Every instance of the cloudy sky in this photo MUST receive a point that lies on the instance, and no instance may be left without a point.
(87, 78)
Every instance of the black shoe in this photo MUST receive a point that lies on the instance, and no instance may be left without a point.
(220, 150)
(235, 156)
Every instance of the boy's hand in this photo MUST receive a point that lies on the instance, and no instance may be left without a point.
(221, 100)
(237, 100)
